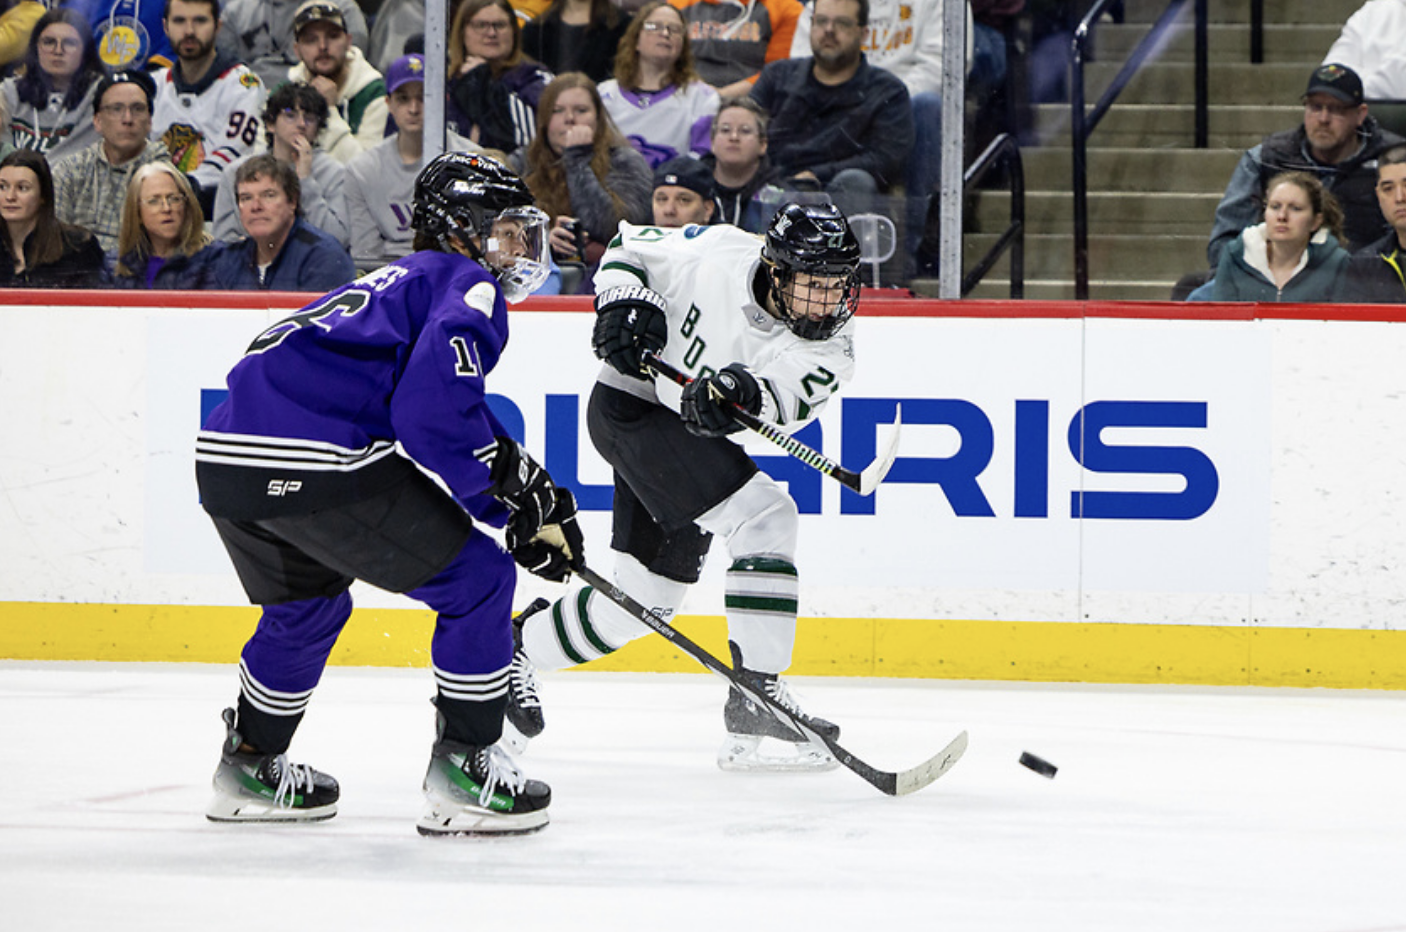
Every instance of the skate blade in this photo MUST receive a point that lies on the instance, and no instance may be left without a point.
(754, 754)
(224, 809)
(445, 821)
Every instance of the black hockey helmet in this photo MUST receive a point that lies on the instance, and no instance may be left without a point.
(461, 193)
(471, 197)
(813, 239)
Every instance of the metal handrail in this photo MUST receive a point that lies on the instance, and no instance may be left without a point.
(1083, 123)
(1003, 149)
(1257, 32)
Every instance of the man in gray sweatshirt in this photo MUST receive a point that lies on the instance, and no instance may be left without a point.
(381, 181)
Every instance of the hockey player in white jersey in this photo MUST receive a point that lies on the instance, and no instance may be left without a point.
(764, 324)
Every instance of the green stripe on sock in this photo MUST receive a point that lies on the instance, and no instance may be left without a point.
(755, 603)
(596, 641)
(560, 623)
(764, 565)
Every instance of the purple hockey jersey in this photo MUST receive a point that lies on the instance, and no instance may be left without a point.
(321, 399)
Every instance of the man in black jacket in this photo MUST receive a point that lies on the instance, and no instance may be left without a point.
(1377, 274)
(837, 123)
(1338, 142)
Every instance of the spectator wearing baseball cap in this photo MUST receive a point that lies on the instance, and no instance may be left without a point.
(1338, 141)
(683, 193)
(381, 181)
(1337, 81)
(336, 69)
(261, 34)
(91, 185)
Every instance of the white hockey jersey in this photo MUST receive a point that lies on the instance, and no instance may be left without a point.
(705, 275)
(665, 124)
(209, 125)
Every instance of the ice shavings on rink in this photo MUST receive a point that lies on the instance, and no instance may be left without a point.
(1174, 809)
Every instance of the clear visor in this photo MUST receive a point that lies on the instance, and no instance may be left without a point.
(516, 251)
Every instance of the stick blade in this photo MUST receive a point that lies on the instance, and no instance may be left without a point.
(913, 780)
(874, 473)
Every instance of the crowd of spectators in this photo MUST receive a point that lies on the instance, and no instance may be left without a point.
(672, 111)
(1309, 212)
(295, 117)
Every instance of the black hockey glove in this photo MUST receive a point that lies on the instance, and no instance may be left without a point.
(557, 547)
(517, 480)
(542, 534)
(629, 320)
(707, 402)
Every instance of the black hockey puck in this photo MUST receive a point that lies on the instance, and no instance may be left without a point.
(1038, 764)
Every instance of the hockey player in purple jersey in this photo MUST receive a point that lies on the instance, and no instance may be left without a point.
(313, 470)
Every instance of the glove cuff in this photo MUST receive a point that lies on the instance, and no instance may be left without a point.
(502, 461)
(631, 294)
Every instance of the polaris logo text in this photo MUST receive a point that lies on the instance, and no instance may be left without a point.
(1123, 441)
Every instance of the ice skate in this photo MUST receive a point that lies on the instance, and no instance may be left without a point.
(254, 787)
(473, 790)
(757, 740)
(523, 718)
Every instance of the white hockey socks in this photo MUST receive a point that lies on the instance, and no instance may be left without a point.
(584, 625)
(761, 598)
(760, 524)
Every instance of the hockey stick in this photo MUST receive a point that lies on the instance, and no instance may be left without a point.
(894, 784)
(863, 482)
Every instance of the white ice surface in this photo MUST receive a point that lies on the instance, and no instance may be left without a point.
(1174, 809)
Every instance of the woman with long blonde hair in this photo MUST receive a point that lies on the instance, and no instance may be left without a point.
(582, 172)
(657, 98)
(161, 241)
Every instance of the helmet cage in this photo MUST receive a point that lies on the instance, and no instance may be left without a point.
(817, 241)
(808, 317)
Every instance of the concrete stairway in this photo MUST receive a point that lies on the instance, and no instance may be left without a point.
(1152, 195)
